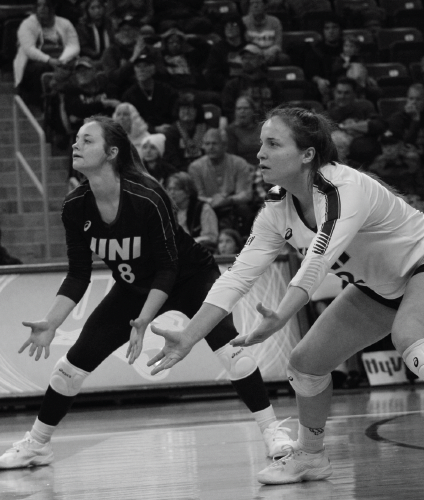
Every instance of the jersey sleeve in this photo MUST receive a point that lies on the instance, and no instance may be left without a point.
(80, 261)
(262, 247)
(343, 212)
(163, 239)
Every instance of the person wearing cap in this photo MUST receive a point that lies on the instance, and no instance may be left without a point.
(266, 32)
(151, 152)
(253, 82)
(152, 98)
(45, 42)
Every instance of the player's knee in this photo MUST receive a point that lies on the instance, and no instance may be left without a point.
(67, 379)
(307, 385)
(414, 358)
(238, 361)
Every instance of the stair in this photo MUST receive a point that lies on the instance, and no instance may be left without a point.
(23, 234)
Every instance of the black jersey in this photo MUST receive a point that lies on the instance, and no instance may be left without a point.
(144, 246)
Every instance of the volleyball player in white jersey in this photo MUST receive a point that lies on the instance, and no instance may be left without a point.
(350, 225)
(125, 216)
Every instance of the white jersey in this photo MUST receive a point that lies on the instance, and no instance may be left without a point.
(365, 235)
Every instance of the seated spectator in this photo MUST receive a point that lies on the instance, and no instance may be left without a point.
(224, 181)
(266, 32)
(130, 120)
(399, 165)
(358, 119)
(229, 242)
(94, 30)
(118, 59)
(409, 123)
(45, 42)
(90, 95)
(153, 99)
(184, 137)
(196, 217)
(142, 10)
(152, 149)
(342, 142)
(224, 61)
(318, 59)
(253, 82)
(5, 258)
(244, 133)
(367, 87)
(348, 55)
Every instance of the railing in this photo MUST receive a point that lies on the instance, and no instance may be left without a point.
(20, 161)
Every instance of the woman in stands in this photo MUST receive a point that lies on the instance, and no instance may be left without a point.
(125, 216)
(350, 224)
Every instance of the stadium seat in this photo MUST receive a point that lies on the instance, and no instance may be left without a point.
(395, 86)
(285, 73)
(313, 20)
(387, 36)
(299, 38)
(415, 71)
(307, 104)
(409, 19)
(393, 6)
(368, 50)
(219, 8)
(406, 52)
(212, 114)
(389, 105)
(385, 70)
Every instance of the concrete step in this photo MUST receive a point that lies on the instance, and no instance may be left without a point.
(59, 163)
(29, 206)
(34, 220)
(29, 192)
(54, 177)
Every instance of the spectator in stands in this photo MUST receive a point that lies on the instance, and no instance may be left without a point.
(126, 46)
(319, 57)
(367, 87)
(5, 258)
(94, 30)
(244, 133)
(399, 164)
(224, 181)
(152, 150)
(342, 142)
(230, 242)
(195, 216)
(188, 16)
(253, 82)
(142, 10)
(297, 8)
(224, 61)
(45, 42)
(184, 138)
(348, 55)
(130, 120)
(266, 32)
(358, 119)
(153, 99)
(92, 94)
(409, 123)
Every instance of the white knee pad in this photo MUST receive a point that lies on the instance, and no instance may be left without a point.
(307, 385)
(67, 379)
(238, 361)
(414, 358)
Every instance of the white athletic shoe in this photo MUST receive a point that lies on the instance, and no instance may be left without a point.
(295, 467)
(26, 453)
(277, 441)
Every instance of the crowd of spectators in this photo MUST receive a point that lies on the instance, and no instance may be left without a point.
(159, 67)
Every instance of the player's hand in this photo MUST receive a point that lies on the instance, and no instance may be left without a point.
(270, 324)
(42, 335)
(136, 339)
(176, 348)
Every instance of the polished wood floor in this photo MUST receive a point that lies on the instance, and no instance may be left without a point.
(211, 450)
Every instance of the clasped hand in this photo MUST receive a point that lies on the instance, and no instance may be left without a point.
(271, 323)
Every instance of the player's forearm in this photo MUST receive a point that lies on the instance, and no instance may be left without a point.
(59, 311)
(207, 317)
(292, 302)
(154, 302)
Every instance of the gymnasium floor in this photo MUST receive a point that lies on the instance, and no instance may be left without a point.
(210, 449)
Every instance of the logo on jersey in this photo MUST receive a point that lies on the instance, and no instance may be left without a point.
(289, 234)
(341, 261)
(415, 362)
(111, 249)
(87, 225)
(249, 240)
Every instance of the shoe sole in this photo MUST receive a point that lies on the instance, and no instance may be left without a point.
(33, 462)
(313, 475)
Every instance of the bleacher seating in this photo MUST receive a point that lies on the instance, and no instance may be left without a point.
(389, 105)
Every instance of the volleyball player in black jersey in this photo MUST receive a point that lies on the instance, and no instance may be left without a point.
(124, 216)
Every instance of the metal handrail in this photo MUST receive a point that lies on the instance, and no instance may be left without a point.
(20, 161)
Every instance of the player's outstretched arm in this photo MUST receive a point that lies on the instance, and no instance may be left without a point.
(43, 331)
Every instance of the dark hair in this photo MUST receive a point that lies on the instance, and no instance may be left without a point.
(345, 80)
(188, 99)
(127, 161)
(232, 18)
(309, 129)
(184, 182)
(235, 235)
(86, 6)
